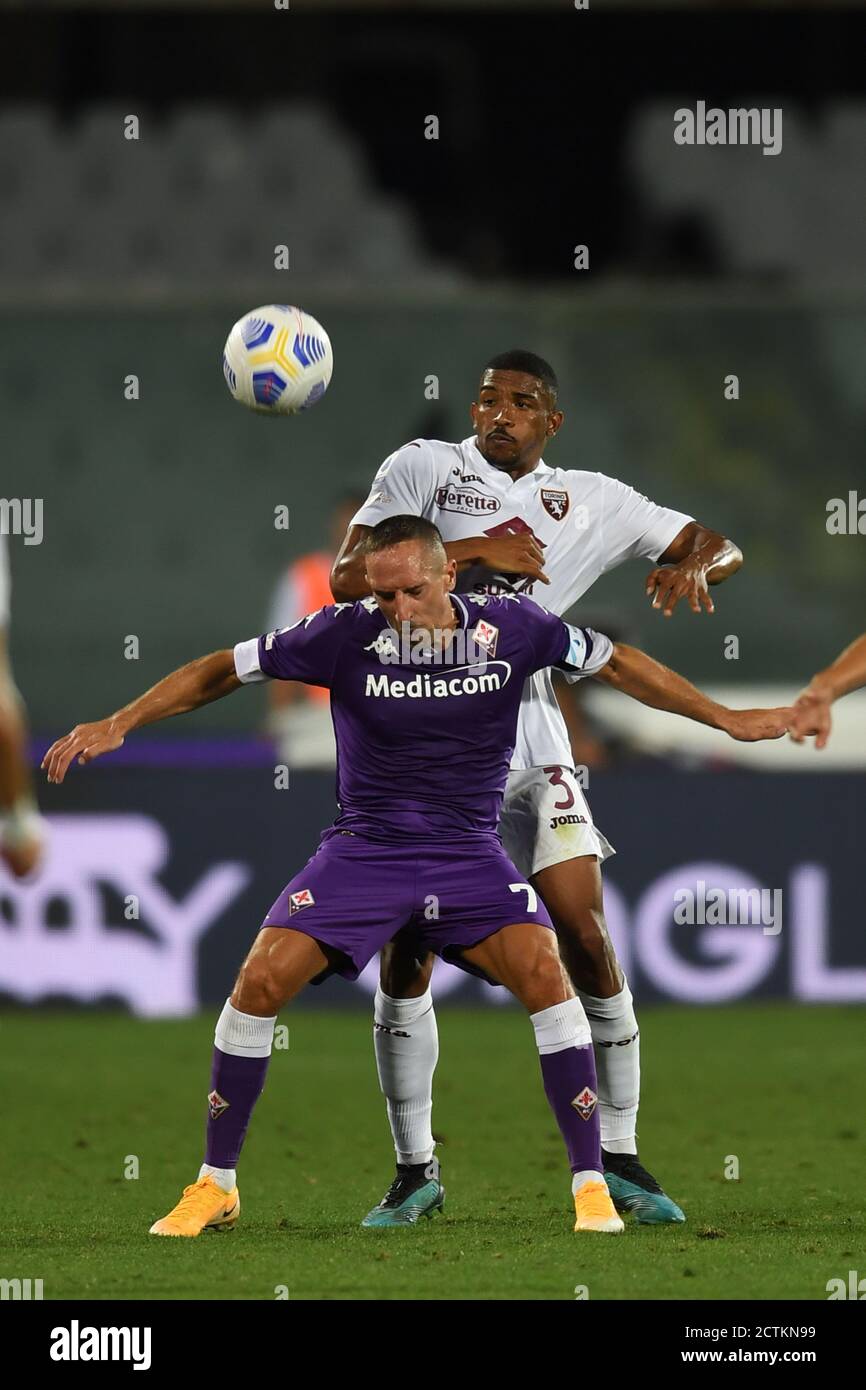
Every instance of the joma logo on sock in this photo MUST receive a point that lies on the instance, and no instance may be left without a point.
(77, 1343)
(738, 126)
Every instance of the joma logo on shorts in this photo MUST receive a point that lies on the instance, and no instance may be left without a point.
(566, 820)
(465, 499)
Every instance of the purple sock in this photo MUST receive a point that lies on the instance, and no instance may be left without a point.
(236, 1084)
(572, 1090)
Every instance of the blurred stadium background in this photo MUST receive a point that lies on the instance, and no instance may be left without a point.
(422, 258)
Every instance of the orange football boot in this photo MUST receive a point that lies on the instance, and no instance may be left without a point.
(203, 1206)
(595, 1210)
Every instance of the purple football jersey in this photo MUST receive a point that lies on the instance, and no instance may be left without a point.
(424, 741)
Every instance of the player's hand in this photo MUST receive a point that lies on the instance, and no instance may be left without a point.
(753, 725)
(85, 742)
(667, 584)
(811, 715)
(520, 554)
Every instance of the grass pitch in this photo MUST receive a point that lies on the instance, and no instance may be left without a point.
(780, 1088)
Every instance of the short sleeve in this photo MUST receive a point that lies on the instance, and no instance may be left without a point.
(307, 651)
(633, 527)
(403, 486)
(578, 651)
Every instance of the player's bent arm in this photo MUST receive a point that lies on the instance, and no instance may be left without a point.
(348, 580)
(812, 707)
(638, 675)
(720, 556)
(696, 558)
(198, 683)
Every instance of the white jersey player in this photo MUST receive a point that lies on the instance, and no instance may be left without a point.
(513, 522)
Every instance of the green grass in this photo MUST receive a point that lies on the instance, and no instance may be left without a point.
(780, 1087)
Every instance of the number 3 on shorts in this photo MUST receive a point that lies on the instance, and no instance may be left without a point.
(531, 895)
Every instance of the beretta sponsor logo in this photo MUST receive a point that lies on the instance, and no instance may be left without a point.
(454, 498)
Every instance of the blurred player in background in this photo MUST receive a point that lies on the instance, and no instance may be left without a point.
(515, 524)
(424, 747)
(299, 716)
(812, 707)
(21, 826)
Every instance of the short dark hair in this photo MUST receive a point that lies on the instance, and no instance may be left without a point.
(520, 360)
(396, 529)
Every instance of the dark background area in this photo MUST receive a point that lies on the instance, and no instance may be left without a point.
(532, 106)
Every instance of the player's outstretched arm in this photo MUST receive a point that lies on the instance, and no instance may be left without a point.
(696, 558)
(637, 675)
(812, 707)
(198, 683)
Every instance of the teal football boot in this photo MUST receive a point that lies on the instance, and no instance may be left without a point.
(635, 1190)
(415, 1192)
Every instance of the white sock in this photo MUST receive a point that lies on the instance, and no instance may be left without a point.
(244, 1035)
(617, 1063)
(588, 1175)
(406, 1057)
(226, 1178)
(560, 1026)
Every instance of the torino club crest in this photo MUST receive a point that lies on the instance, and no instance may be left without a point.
(555, 503)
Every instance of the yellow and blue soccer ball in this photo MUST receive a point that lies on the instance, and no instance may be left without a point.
(278, 360)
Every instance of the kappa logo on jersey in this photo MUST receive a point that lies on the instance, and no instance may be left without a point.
(486, 636)
(303, 898)
(216, 1105)
(585, 1102)
(384, 645)
(555, 503)
(469, 500)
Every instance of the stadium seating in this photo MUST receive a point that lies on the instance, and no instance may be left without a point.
(202, 195)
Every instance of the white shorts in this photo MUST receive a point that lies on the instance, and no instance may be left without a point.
(546, 819)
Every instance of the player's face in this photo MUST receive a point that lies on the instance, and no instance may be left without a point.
(513, 419)
(411, 584)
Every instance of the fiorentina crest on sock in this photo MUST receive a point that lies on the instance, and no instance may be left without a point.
(216, 1105)
(585, 1102)
(303, 898)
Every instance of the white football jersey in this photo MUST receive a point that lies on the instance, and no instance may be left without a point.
(587, 524)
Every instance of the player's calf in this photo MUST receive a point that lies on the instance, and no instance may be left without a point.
(524, 958)
(280, 963)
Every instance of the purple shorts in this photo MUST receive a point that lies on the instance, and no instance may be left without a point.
(355, 894)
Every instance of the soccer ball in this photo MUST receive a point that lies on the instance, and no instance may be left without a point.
(278, 359)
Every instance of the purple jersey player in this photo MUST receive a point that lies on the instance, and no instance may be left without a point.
(425, 690)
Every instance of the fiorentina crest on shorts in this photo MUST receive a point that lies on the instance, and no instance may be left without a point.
(555, 503)
(303, 898)
(486, 636)
(216, 1105)
(585, 1102)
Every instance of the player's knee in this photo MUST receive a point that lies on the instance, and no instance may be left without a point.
(548, 982)
(257, 991)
